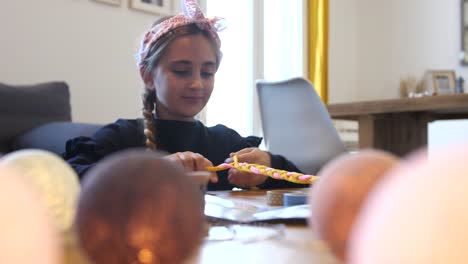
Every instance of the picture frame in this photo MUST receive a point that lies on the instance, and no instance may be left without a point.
(110, 2)
(159, 7)
(441, 82)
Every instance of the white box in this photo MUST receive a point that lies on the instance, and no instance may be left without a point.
(442, 133)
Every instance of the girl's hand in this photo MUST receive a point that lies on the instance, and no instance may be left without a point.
(192, 162)
(249, 155)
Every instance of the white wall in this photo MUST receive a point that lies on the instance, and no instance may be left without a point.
(90, 45)
(373, 43)
(342, 73)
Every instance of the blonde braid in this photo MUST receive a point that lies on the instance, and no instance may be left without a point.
(149, 101)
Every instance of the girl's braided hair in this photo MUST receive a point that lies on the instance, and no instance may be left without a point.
(149, 96)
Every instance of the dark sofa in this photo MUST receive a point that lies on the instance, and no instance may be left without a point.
(38, 116)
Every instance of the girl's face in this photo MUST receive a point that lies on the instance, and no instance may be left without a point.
(184, 77)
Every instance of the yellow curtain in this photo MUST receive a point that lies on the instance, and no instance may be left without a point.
(318, 46)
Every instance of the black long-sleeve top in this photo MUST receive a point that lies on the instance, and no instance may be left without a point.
(214, 143)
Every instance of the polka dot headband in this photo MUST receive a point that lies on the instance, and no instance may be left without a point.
(192, 14)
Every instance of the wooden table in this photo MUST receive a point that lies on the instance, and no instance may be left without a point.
(399, 125)
(296, 245)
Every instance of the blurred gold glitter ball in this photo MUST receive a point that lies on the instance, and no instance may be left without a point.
(55, 181)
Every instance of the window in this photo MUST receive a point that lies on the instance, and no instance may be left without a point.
(263, 40)
(231, 102)
(284, 39)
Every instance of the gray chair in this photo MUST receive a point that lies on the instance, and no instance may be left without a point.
(296, 124)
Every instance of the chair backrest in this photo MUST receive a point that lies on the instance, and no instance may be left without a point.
(296, 123)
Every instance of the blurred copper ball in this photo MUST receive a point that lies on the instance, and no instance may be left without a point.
(136, 207)
(54, 180)
(418, 214)
(27, 234)
(337, 196)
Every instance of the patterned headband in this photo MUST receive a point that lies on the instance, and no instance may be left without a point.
(192, 14)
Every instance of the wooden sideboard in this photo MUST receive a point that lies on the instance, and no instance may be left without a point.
(399, 125)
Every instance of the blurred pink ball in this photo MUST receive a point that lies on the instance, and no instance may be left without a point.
(26, 233)
(418, 215)
(336, 198)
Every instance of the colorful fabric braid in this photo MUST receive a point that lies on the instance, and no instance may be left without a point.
(267, 171)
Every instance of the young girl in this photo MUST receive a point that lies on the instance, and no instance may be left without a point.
(178, 59)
